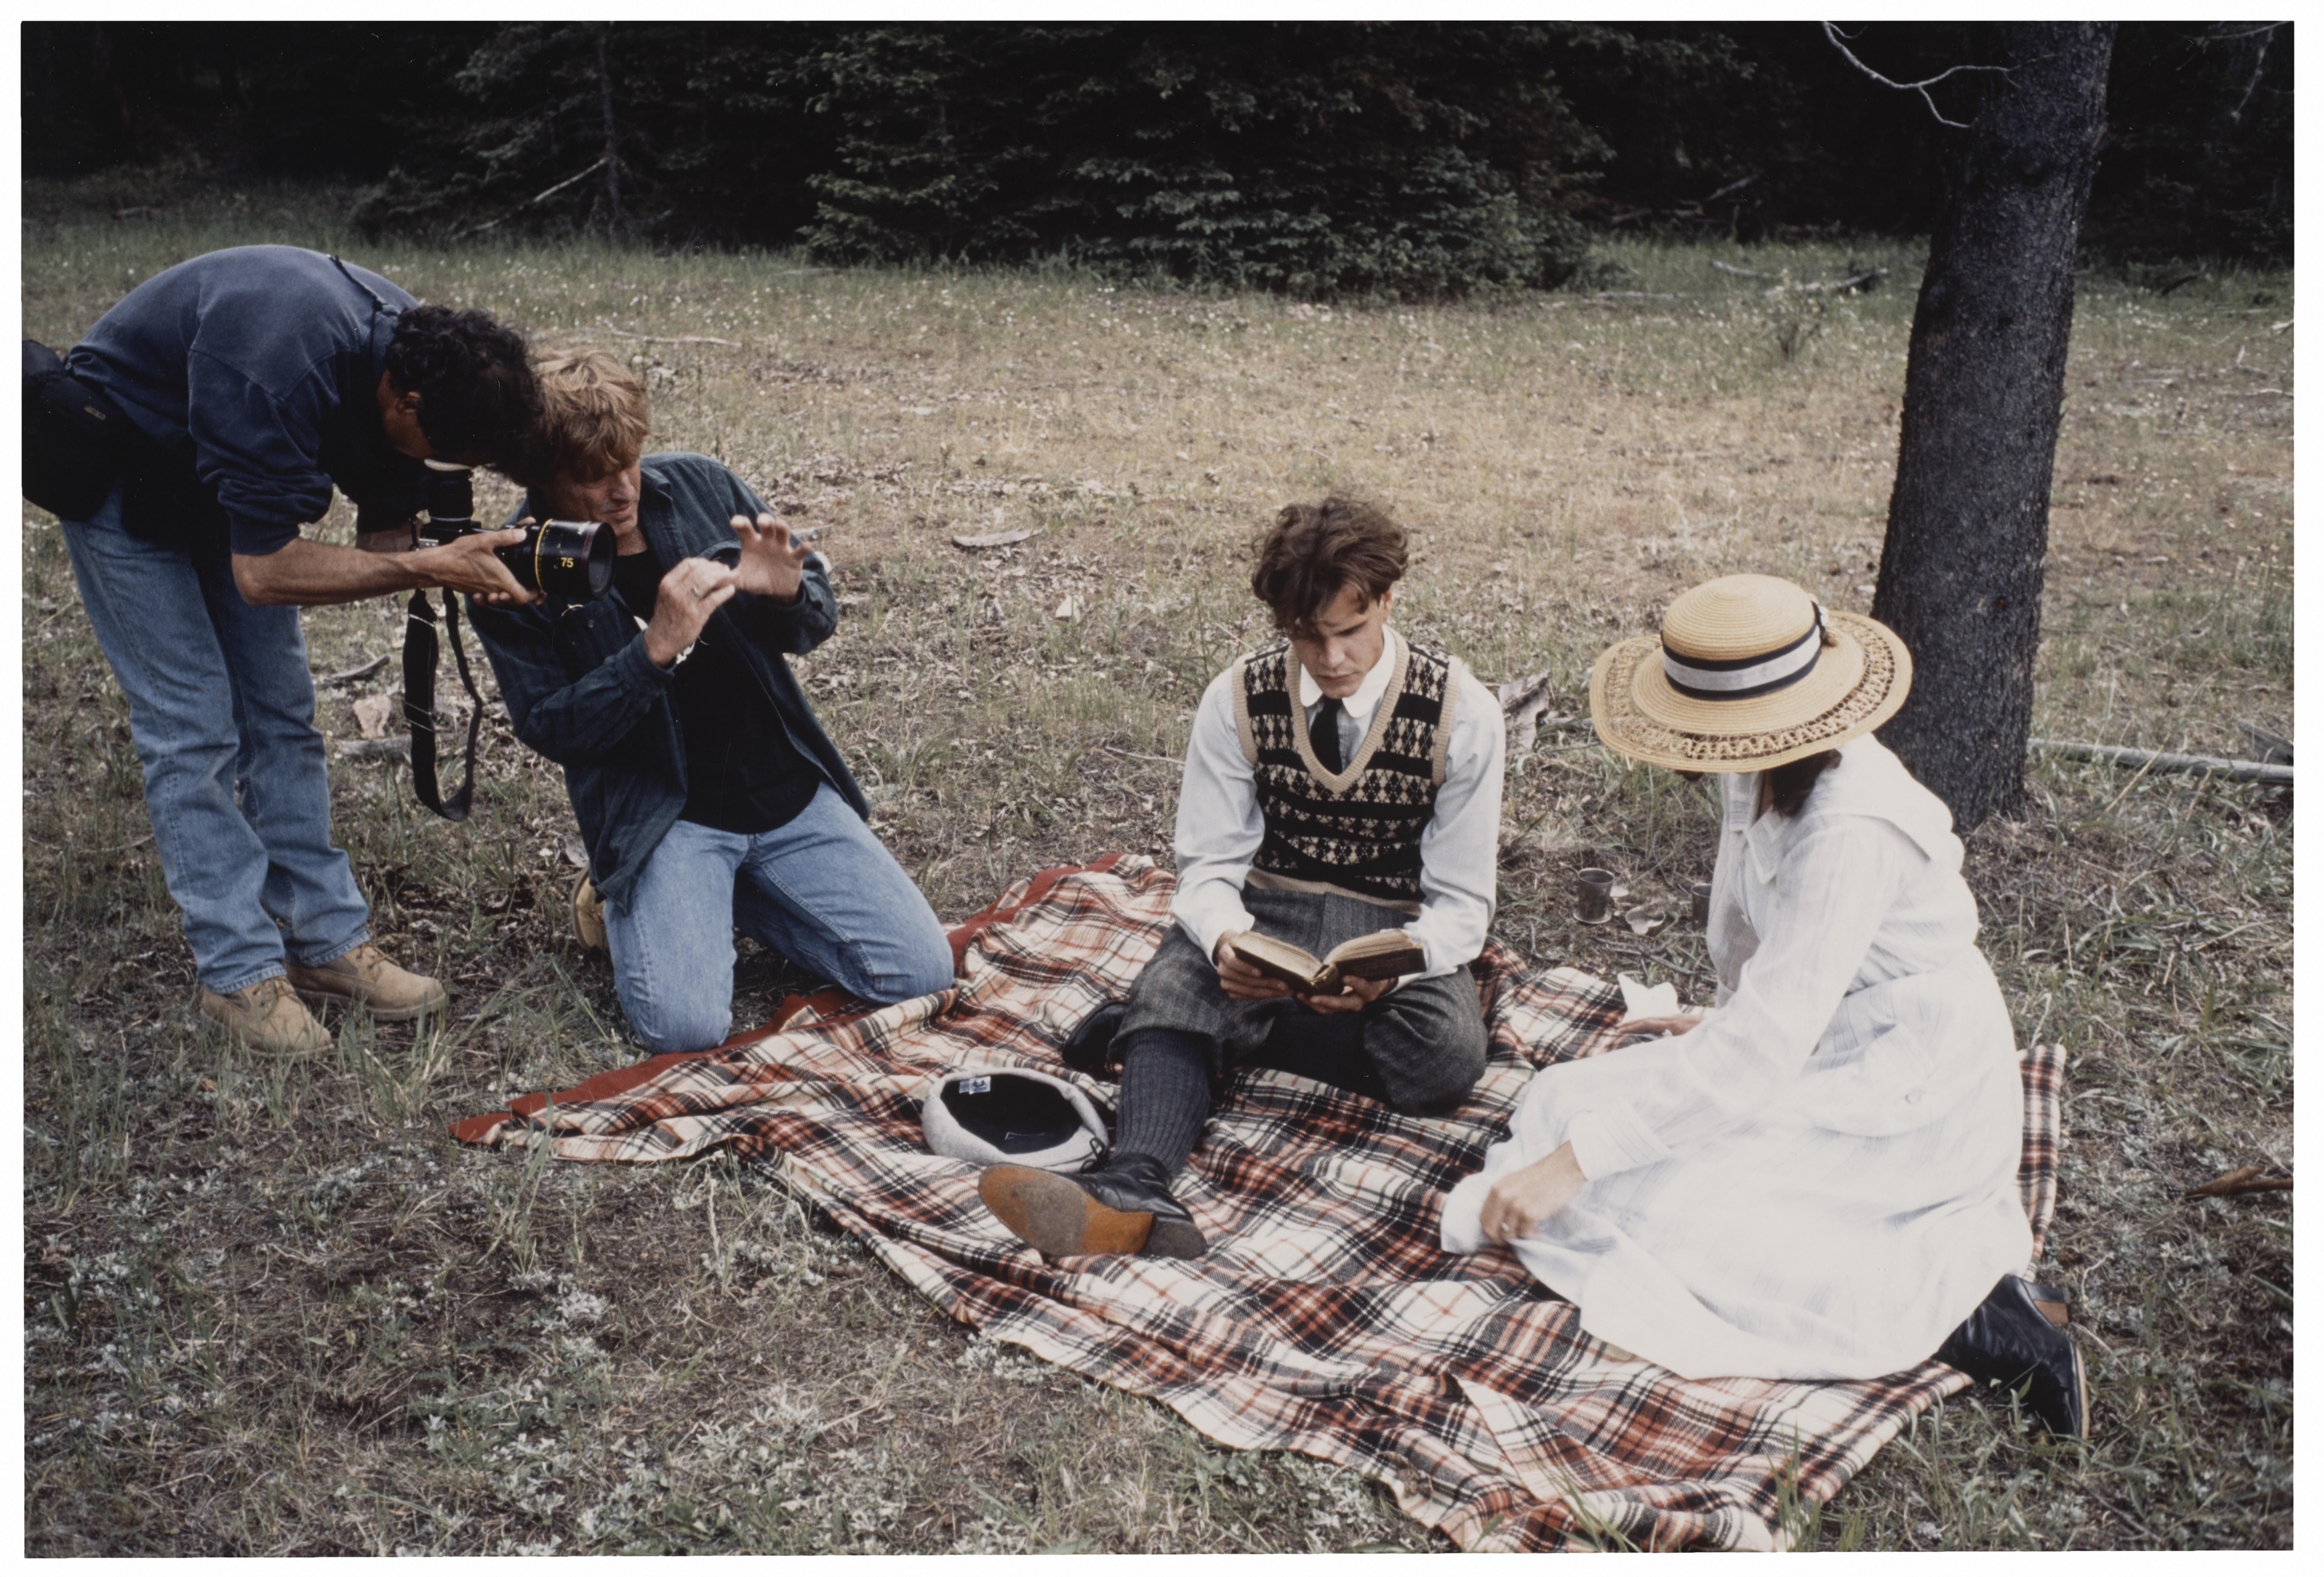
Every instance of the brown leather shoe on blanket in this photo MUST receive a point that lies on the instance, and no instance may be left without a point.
(266, 1016)
(365, 975)
(1124, 1207)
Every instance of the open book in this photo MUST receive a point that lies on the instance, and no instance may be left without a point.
(1382, 955)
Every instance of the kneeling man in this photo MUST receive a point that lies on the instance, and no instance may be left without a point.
(706, 791)
(1340, 782)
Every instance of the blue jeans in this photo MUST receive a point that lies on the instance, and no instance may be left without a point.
(222, 709)
(819, 890)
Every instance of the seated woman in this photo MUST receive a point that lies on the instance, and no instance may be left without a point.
(706, 791)
(1816, 1179)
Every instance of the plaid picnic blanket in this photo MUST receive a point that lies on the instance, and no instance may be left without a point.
(1325, 1319)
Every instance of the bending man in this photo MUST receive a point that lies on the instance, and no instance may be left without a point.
(256, 380)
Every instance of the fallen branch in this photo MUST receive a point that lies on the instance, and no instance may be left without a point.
(1855, 282)
(2165, 761)
(2242, 1180)
(996, 540)
(362, 670)
(671, 339)
(2265, 744)
(1860, 282)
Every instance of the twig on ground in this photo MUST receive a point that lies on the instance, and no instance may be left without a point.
(1140, 756)
(2241, 1180)
(2164, 760)
(361, 670)
(671, 339)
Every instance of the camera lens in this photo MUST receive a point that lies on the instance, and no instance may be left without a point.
(570, 560)
(451, 499)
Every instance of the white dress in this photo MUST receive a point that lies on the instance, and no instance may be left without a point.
(1819, 1181)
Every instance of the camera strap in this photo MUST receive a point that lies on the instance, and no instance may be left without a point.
(419, 703)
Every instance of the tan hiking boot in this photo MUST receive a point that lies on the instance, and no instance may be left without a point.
(366, 976)
(267, 1016)
(589, 916)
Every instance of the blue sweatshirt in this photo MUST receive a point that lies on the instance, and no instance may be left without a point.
(581, 690)
(260, 367)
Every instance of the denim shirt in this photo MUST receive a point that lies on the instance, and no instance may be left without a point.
(260, 367)
(581, 690)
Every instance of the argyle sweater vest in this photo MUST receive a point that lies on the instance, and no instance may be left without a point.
(1358, 831)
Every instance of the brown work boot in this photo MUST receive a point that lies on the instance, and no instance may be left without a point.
(589, 916)
(366, 976)
(267, 1016)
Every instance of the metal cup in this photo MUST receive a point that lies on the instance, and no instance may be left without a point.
(1702, 894)
(1593, 895)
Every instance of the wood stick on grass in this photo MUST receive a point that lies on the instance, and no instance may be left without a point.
(2168, 761)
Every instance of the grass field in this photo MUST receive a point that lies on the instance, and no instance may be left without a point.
(275, 1309)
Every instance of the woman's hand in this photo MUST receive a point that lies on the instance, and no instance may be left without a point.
(1355, 996)
(689, 595)
(773, 560)
(1525, 1198)
(1241, 982)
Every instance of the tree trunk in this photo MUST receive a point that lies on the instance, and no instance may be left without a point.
(612, 150)
(1969, 522)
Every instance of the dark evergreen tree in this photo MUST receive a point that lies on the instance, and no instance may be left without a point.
(681, 131)
(1322, 158)
(1411, 157)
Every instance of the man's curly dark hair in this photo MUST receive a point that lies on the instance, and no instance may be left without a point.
(474, 377)
(1313, 550)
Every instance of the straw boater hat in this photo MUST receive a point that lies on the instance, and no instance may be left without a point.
(1750, 672)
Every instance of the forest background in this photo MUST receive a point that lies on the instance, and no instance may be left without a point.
(1129, 287)
(1319, 158)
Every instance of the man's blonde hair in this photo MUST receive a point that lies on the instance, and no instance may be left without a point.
(593, 417)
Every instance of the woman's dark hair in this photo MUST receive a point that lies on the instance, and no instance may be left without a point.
(1789, 785)
(474, 377)
(1314, 550)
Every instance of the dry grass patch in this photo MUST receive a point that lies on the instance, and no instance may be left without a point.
(275, 1309)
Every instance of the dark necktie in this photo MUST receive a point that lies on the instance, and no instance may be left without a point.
(1324, 734)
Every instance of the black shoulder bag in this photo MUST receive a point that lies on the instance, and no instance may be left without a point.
(76, 440)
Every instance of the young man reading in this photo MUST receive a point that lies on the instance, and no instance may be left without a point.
(707, 793)
(1338, 783)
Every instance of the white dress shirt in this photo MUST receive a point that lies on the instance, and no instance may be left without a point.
(1220, 825)
(1819, 1181)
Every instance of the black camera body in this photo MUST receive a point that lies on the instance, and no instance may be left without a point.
(571, 559)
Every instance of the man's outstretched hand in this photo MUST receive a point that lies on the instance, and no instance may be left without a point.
(773, 560)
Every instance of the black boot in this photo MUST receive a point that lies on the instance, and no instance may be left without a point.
(1089, 1048)
(1123, 1207)
(2017, 1338)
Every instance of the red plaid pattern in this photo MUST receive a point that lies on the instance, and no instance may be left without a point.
(1325, 1319)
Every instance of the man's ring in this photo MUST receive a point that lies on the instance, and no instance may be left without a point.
(701, 592)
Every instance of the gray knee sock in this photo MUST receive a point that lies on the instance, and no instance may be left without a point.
(1166, 1094)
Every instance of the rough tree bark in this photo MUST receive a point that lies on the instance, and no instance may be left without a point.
(613, 223)
(1969, 522)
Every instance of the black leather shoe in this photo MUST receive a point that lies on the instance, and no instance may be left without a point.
(1123, 1207)
(1089, 1048)
(2017, 1338)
